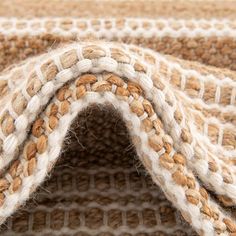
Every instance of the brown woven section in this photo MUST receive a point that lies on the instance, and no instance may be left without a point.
(209, 51)
(98, 188)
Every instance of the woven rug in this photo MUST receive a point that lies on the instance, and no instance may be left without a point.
(117, 118)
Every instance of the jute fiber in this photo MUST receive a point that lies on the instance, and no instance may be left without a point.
(117, 118)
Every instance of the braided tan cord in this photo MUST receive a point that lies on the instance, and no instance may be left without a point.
(219, 167)
(162, 132)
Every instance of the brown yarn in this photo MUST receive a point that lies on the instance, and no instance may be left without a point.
(205, 50)
(98, 142)
(98, 187)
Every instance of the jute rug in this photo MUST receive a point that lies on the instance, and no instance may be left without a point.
(117, 118)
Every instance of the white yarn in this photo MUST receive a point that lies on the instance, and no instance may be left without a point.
(157, 96)
(167, 113)
(63, 126)
(153, 30)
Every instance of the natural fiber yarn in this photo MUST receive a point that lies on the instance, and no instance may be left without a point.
(179, 115)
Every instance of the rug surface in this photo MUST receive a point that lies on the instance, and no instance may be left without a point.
(117, 118)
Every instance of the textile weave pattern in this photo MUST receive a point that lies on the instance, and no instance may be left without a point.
(168, 84)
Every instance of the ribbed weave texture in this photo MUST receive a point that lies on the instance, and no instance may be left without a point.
(175, 118)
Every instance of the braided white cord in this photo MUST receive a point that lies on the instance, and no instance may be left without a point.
(212, 120)
(162, 27)
(216, 28)
(197, 101)
(124, 70)
(55, 140)
(215, 148)
(184, 72)
(39, 100)
(197, 156)
(187, 74)
(13, 142)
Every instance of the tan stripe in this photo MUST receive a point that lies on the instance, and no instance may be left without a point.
(177, 9)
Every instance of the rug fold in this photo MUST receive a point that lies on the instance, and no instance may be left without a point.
(162, 120)
(169, 85)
